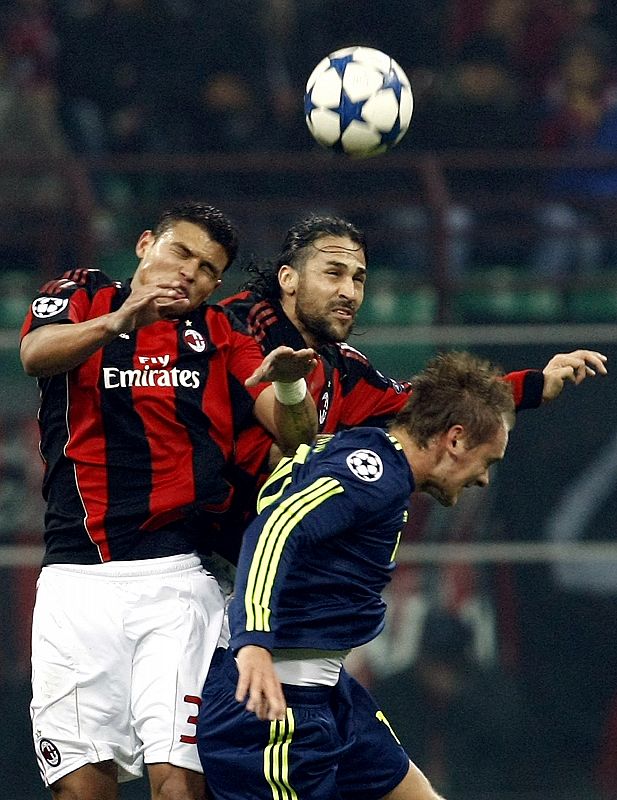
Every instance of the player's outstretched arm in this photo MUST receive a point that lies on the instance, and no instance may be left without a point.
(284, 364)
(258, 683)
(286, 409)
(573, 367)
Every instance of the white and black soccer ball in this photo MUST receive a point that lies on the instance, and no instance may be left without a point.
(358, 101)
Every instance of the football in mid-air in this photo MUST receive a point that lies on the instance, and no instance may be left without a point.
(358, 101)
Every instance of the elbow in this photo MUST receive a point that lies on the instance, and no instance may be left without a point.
(31, 361)
(29, 364)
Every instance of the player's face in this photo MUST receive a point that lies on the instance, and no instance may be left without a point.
(464, 467)
(185, 255)
(329, 290)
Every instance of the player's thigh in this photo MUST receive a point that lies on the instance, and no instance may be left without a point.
(375, 763)
(168, 781)
(91, 782)
(81, 668)
(414, 786)
(177, 637)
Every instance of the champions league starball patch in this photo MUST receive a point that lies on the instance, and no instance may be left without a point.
(44, 307)
(365, 464)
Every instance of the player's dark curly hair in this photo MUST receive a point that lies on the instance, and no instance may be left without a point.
(211, 219)
(457, 388)
(295, 251)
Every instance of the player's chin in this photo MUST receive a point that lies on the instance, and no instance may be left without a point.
(176, 309)
(342, 328)
(442, 498)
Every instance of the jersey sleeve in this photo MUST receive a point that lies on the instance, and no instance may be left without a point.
(66, 299)
(244, 357)
(368, 397)
(355, 485)
(527, 387)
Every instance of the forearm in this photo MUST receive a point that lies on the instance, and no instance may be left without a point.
(295, 424)
(55, 349)
(290, 424)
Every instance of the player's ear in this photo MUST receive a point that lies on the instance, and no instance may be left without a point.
(143, 242)
(288, 279)
(455, 439)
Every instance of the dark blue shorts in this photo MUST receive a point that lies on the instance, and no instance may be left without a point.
(332, 745)
(375, 762)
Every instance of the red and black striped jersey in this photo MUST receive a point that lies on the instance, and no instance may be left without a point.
(137, 438)
(347, 389)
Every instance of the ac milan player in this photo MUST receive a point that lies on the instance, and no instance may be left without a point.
(310, 298)
(143, 388)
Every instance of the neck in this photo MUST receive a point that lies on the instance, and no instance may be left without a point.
(418, 458)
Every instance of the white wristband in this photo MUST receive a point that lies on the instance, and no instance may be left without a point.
(290, 393)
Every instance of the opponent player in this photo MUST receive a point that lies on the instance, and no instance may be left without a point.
(311, 573)
(143, 386)
(311, 297)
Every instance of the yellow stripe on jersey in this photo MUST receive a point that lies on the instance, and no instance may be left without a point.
(276, 758)
(282, 470)
(398, 536)
(395, 442)
(382, 718)
(270, 545)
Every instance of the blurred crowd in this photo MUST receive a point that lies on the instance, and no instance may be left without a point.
(134, 76)
(104, 77)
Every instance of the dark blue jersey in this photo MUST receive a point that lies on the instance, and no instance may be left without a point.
(316, 559)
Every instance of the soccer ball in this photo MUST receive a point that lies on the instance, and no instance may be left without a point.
(358, 101)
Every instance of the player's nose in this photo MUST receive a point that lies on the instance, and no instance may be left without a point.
(188, 270)
(347, 287)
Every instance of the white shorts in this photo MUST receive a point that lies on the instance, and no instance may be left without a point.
(120, 653)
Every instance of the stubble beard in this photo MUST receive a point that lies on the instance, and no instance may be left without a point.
(321, 330)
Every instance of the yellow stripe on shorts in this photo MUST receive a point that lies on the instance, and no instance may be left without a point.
(276, 758)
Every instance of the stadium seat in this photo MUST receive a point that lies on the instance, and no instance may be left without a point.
(387, 305)
(509, 305)
(503, 294)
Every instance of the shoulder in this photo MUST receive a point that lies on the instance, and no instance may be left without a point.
(224, 316)
(356, 366)
(240, 303)
(370, 456)
(72, 280)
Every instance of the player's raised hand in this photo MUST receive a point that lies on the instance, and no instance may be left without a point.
(284, 364)
(258, 683)
(151, 303)
(573, 367)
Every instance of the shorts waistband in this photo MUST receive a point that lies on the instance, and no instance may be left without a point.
(307, 695)
(299, 695)
(131, 569)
